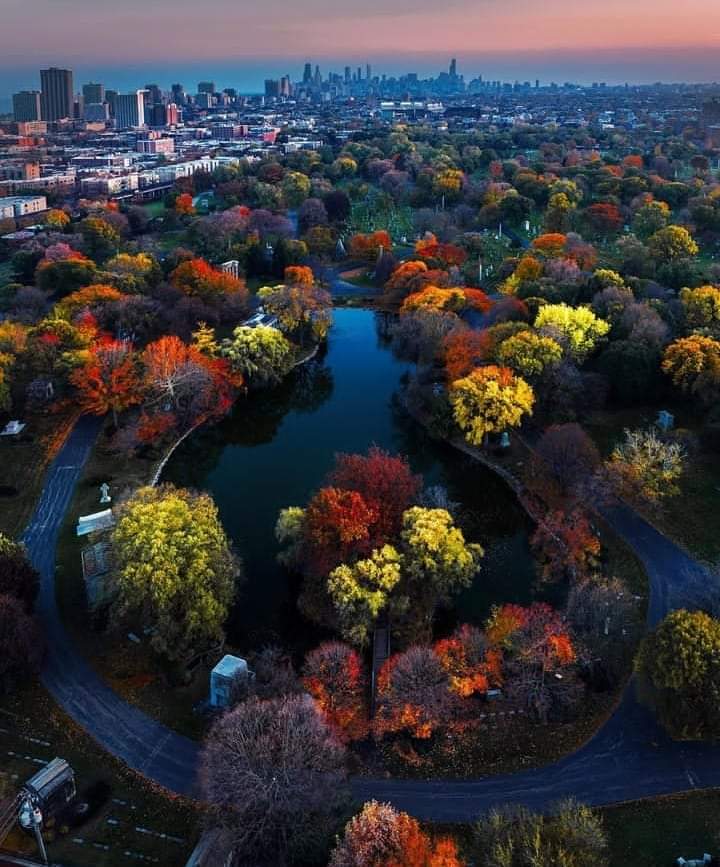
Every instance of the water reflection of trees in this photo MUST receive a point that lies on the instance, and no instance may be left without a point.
(255, 421)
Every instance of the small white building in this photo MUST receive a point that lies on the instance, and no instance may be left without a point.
(230, 671)
(20, 206)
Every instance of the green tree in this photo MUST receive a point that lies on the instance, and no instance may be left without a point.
(679, 669)
(651, 218)
(174, 569)
(489, 400)
(262, 354)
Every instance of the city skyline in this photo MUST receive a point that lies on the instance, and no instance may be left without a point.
(248, 76)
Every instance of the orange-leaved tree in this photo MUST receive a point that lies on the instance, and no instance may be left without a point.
(109, 382)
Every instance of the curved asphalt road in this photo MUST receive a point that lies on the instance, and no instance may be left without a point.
(628, 758)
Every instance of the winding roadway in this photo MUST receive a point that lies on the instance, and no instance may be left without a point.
(629, 758)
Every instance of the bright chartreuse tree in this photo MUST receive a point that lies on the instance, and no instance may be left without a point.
(262, 354)
(577, 328)
(174, 569)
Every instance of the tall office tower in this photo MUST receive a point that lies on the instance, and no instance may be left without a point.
(307, 73)
(347, 75)
(285, 86)
(453, 67)
(110, 99)
(93, 93)
(178, 94)
(272, 88)
(96, 112)
(154, 94)
(359, 74)
(206, 87)
(317, 78)
(57, 93)
(26, 105)
(130, 109)
(368, 71)
(78, 106)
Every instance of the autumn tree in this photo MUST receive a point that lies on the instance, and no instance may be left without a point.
(18, 577)
(21, 644)
(363, 591)
(87, 298)
(702, 307)
(489, 400)
(184, 206)
(380, 836)
(299, 275)
(571, 835)
(334, 676)
(56, 220)
(471, 664)
(65, 275)
(304, 312)
(452, 299)
(196, 277)
(563, 465)
(650, 218)
(386, 483)
(101, 238)
(337, 527)
(693, 363)
(577, 329)
(671, 243)
(173, 569)
(679, 669)
(435, 553)
(464, 349)
(367, 247)
(413, 694)
(566, 546)
(646, 466)
(604, 218)
(536, 646)
(273, 774)
(109, 382)
(528, 353)
(263, 355)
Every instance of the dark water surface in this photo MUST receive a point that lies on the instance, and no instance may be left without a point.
(276, 447)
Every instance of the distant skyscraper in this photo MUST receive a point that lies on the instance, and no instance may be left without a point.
(57, 93)
(130, 109)
(307, 73)
(348, 75)
(93, 93)
(368, 71)
(453, 67)
(96, 112)
(26, 105)
(272, 88)
(154, 94)
(172, 114)
(206, 87)
(178, 94)
(110, 99)
(285, 86)
(359, 74)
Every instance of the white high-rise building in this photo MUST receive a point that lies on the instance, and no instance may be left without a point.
(130, 109)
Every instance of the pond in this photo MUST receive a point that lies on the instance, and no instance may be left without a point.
(276, 447)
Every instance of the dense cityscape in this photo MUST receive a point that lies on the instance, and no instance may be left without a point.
(359, 471)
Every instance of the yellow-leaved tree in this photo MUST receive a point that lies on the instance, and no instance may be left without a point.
(174, 569)
(490, 400)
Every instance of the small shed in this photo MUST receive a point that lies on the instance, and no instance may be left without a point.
(51, 788)
(97, 521)
(231, 670)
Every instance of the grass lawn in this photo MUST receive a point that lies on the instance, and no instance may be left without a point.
(155, 209)
(23, 461)
(33, 730)
(656, 832)
(131, 669)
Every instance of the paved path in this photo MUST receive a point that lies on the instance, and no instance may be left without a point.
(628, 758)
(144, 744)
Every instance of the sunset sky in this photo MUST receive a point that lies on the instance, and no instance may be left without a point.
(629, 39)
